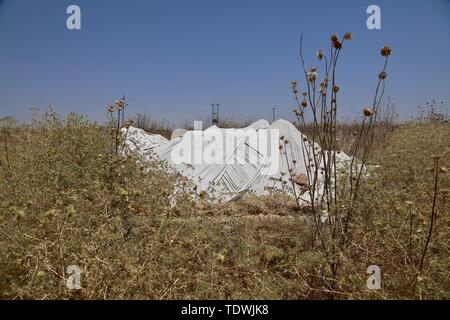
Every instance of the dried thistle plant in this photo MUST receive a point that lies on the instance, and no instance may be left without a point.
(330, 192)
(117, 122)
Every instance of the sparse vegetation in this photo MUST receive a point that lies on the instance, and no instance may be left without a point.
(64, 196)
(333, 195)
(151, 125)
(70, 194)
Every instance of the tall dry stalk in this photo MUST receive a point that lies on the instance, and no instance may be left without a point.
(437, 170)
(117, 122)
(333, 195)
(7, 124)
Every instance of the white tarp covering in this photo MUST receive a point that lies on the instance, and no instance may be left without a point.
(223, 182)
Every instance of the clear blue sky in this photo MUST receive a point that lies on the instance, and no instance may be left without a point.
(172, 58)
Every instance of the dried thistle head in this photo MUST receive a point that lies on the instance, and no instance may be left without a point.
(335, 89)
(298, 114)
(348, 36)
(294, 84)
(382, 75)
(120, 104)
(129, 123)
(312, 76)
(386, 51)
(368, 112)
(319, 54)
(337, 44)
(334, 38)
(111, 109)
(304, 103)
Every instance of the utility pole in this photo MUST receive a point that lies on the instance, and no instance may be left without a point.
(215, 114)
(217, 105)
(123, 110)
(273, 114)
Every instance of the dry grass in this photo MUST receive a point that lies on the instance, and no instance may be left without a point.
(65, 200)
(397, 213)
(152, 125)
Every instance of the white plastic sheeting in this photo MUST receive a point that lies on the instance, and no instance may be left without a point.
(224, 182)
